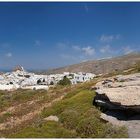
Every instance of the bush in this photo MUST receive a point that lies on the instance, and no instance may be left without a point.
(69, 118)
(65, 81)
(90, 127)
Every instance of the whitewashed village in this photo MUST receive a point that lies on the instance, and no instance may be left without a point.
(19, 78)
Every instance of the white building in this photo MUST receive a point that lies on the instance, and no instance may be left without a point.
(82, 77)
(23, 79)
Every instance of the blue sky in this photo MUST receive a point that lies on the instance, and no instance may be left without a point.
(50, 35)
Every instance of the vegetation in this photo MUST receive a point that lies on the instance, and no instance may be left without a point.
(46, 130)
(77, 118)
(8, 98)
(5, 117)
(64, 81)
(138, 67)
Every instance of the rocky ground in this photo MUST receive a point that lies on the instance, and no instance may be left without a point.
(119, 96)
(121, 89)
(132, 123)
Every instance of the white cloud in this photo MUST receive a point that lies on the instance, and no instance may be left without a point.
(8, 55)
(105, 49)
(128, 50)
(88, 50)
(109, 38)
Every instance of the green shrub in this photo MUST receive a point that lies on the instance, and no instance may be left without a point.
(90, 127)
(64, 81)
(69, 118)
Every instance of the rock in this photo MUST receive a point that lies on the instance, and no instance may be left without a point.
(121, 94)
(52, 118)
(111, 119)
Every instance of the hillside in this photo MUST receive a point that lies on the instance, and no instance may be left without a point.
(24, 114)
(101, 66)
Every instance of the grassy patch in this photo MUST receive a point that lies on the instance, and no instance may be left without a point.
(77, 113)
(9, 98)
(47, 130)
(76, 102)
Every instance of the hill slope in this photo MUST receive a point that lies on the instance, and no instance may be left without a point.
(102, 66)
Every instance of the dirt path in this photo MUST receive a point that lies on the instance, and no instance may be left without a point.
(17, 121)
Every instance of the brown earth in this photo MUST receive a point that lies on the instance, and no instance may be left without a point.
(102, 66)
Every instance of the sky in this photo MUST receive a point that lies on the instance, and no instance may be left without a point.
(45, 35)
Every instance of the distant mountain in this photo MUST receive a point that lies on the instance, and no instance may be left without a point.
(101, 66)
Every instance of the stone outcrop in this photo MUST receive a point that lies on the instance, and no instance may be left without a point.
(119, 93)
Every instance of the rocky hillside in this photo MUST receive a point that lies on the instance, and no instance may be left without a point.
(102, 66)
